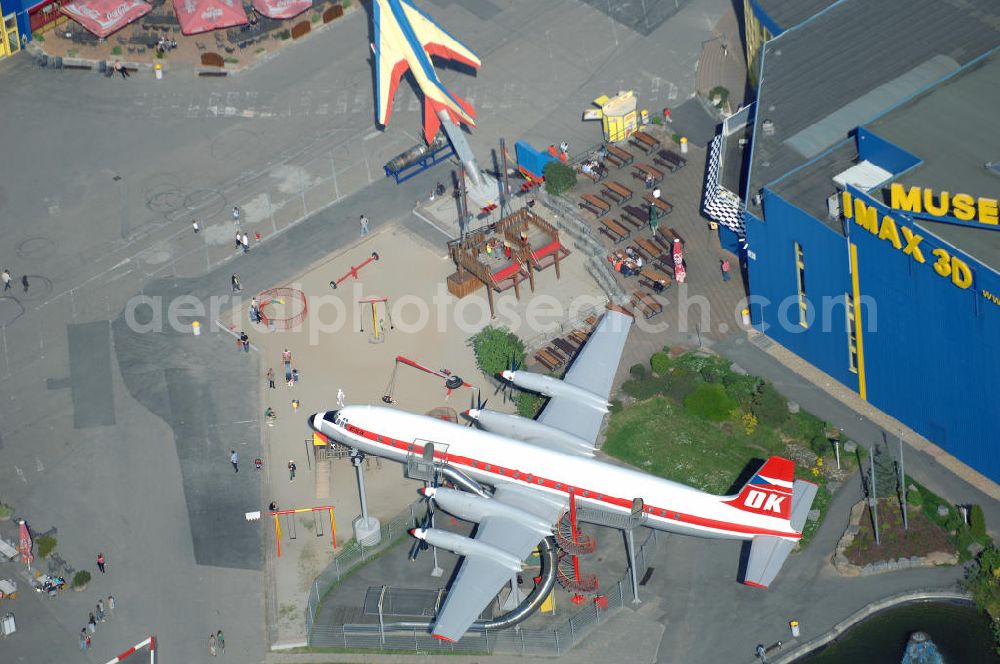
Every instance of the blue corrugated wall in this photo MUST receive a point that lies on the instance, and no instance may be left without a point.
(774, 289)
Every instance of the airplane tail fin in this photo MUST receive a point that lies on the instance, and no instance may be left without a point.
(769, 491)
(431, 109)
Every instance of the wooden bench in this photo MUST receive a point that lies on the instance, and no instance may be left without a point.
(643, 170)
(595, 204)
(650, 247)
(617, 192)
(565, 346)
(655, 275)
(673, 232)
(670, 160)
(646, 304)
(637, 212)
(644, 142)
(640, 252)
(662, 204)
(547, 360)
(594, 176)
(619, 157)
(614, 230)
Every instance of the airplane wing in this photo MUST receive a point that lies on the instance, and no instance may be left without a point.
(435, 40)
(594, 370)
(479, 579)
(768, 553)
(390, 63)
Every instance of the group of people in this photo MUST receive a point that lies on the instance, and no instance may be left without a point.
(628, 263)
(217, 643)
(8, 281)
(100, 614)
(594, 167)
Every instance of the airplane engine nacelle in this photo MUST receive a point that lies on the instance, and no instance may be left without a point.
(471, 507)
(553, 387)
(522, 428)
(466, 546)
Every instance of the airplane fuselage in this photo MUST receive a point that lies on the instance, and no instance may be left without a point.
(493, 459)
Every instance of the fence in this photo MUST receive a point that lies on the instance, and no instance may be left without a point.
(523, 641)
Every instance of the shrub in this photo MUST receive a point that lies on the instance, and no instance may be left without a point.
(806, 426)
(315, 18)
(977, 522)
(643, 388)
(820, 444)
(160, 55)
(770, 407)
(345, 3)
(46, 545)
(231, 61)
(637, 371)
(528, 404)
(742, 388)
(676, 138)
(81, 578)
(715, 371)
(117, 50)
(680, 384)
(38, 37)
(657, 120)
(710, 401)
(559, 177)
(495, 348)
(285, 34)
(718, 91)
(660, 363)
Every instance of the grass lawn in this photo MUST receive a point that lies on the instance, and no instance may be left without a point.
(664, 439)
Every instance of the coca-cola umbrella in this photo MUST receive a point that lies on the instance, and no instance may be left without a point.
(280, 9)
(679, 272)
(102, 17)
(25, 545)
(197, 16)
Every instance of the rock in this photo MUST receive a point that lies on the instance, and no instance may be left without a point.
(850, 446)
(891, 565)
(737, 369)
(832, 487)
(867, 570)
(942, 510)
(793, 407)
(852, 529)
(975, 549)
(916, 561)
(879, 566)
(813, 515)
(903, 563)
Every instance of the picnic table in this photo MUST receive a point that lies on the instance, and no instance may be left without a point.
(619, 157)
(656, 275)
(644, 142)
(650, 247)
(644, 171)
(670, 160)
(661, 204)
(548, 360)
(617, 192)
(646, 304)
(595, 204)
(614, 230)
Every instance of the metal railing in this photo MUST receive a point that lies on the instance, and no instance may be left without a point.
(543, 642)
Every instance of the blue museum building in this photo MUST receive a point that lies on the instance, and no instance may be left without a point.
(861, 192)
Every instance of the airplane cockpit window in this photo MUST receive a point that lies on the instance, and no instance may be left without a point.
(331, 416)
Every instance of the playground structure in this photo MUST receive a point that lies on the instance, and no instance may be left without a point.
(451, 381)
(353, 272)
(377, 328)
(293, 531)
(502, 255)
(285, 298)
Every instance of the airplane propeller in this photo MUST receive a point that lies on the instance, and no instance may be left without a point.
(506, 387)
(477, 403)
(428, 522)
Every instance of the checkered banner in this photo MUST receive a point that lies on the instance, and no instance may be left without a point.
(719, 203)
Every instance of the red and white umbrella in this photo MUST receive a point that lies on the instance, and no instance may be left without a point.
(280, 9)
(196, 16)
(25, 545)
(679, 272)
(102, 17)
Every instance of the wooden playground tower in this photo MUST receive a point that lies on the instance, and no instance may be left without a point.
(522, 243)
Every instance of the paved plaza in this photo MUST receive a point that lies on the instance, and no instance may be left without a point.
(116, 423)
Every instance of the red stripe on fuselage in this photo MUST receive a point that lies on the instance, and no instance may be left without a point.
(508, 474)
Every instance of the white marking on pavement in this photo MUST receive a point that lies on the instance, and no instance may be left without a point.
(372, 135)
(431, 223)
(38, 464)
(20, 473)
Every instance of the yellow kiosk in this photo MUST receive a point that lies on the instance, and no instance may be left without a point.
(618, 115)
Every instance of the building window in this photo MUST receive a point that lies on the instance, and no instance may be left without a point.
(852, 335)
(800, 277)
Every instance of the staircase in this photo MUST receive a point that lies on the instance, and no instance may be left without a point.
(571, 545)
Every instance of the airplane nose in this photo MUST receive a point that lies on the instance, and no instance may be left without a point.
(419, 533)
(473, 413)
(429, 491)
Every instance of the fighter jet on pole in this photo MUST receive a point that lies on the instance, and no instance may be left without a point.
(405, 39)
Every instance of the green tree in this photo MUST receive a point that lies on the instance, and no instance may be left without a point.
(660, 363)
(46, 545)
(495, 348)
(559, 177)
(977, 522)
(770, 407)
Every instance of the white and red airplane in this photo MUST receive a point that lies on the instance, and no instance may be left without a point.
(535, 465)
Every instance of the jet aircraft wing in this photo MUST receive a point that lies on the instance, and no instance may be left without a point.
(480, 578)
(594, 370)
(435, 39)
(390, 63)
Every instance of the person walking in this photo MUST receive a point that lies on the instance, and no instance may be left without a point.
(91, 623)
(270, 378)
(194, 225)
(100, 610)
(235, 280)
(221, 639)
(111, 604)
(295, 405)
(236, 215)
(83, 639)
(245, 342)
(239, 241)
(213, 645)
(364, 225)
(291, 470)
(5, 276)
(340, 397)
(245, 241)
(725, 269)
(656, 193)
(121, 69)
(235, 460)
(24, 282)
(101, 562)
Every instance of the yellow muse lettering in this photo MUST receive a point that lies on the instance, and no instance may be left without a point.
(964, 207)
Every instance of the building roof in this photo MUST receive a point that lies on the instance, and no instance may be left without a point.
(789, 14)
(953, 130)
(849, 65)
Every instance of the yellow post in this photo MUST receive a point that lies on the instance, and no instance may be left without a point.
(333, 529)
(375, 319)
(277, 533)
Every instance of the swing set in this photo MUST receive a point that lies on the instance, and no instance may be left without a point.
(451, 381)
(377, 334)
(318, 521)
